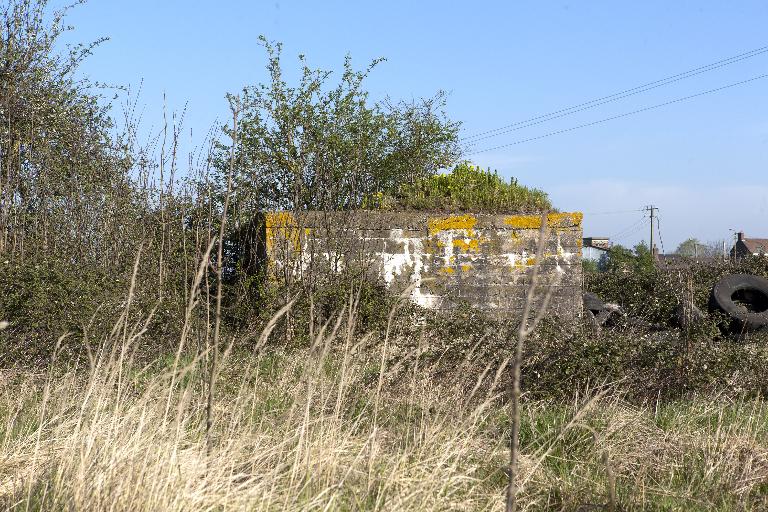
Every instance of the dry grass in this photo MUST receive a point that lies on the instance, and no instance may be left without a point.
(313, 429)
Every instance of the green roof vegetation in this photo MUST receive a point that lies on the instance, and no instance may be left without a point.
(466, 188)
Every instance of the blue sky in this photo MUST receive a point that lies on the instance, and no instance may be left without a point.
(703, 162)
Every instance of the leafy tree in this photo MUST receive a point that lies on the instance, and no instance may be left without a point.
(620, 258)
(616, 258)
(317, 146)
(59, 166)
(643, 257)
(688, 247)
(694, 248)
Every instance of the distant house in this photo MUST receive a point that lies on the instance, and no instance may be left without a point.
(593, 248)
(749, 246)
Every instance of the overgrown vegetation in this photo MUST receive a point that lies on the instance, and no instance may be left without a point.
(63, 169)
(618, 258)
(327, 147)
(345, 424)
(466, 188)
(206, 386)
(653, 292)
(82, 196)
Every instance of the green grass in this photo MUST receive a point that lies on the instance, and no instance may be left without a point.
(467, 188)
(341, 425)
(291, 434)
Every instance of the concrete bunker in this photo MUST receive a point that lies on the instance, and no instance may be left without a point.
(485, 260)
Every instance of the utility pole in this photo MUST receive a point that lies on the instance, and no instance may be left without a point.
(652, 209)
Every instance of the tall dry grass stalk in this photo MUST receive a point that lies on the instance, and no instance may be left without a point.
(525, 329)
(213, 370)
(329, 427)
(289, 433)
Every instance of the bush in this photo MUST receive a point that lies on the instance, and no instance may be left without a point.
(644, 365)
(318, 303)
(466, 188)
(564, 355)
(43, 300)
(654, 293)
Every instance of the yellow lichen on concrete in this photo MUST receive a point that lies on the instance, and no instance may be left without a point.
(518, 266)
(282, 225)
(467, 245)
(466, 267)
(453, 222)
(554, 220)
(444, 229)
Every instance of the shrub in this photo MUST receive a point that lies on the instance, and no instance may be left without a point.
(653, 293)
(44, 299)
(317, 303)
(645, 365)
(466, 188)
(325, 146)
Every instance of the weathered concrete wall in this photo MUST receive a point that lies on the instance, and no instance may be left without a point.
(485, 260)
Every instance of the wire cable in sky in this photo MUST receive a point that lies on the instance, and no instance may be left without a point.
(658, 231)
(626, 114)
(471, 139)
(623, 238)
(629, 230)
(612, 213)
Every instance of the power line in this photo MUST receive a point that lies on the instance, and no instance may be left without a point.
(626, 114)
(628, 235)
(629, 230)
(616, 96)
(658, 230)
(612, 213)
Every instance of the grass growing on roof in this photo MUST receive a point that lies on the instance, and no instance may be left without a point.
(466, 188)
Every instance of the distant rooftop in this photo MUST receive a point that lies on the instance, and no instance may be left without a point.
(598, 242)
(756, 245)
(746, 246)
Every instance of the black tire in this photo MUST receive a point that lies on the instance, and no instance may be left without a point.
(744, 298)
(592, 302)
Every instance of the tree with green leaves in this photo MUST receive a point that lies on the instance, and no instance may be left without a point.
(693, 248)
(688, 248)
(314, 145)
(60, 167)
(620, 258)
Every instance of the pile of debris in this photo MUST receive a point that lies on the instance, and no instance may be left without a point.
(742, 299)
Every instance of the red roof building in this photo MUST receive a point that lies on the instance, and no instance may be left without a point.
(749, 246)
